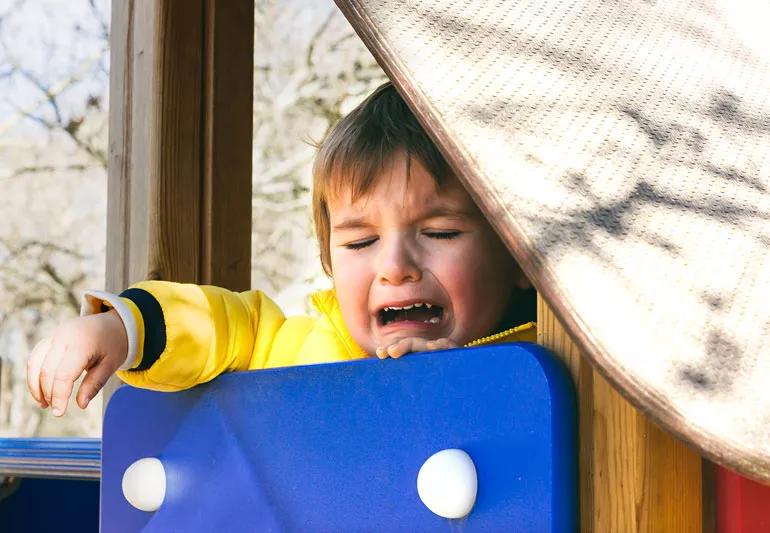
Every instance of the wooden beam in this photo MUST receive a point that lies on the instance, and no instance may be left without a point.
(179, 173)
(155, 142)
(227, 146)
(634, 477)
(119, 149)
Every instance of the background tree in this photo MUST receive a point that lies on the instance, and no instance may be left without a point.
(310, 69)
(53, 86)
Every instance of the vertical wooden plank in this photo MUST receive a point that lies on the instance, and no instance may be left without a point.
(119, 148)
(130, 57)
(634, 476)
(138, 114)
(154, 173)
(175, 187)
(179, 173)
(229, 88)
(551, 335)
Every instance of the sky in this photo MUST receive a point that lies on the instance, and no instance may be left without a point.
(50, 40)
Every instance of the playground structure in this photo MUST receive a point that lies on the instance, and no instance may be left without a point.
(179, 209)
(338, 447)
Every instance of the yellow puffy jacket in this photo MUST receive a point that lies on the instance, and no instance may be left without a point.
(182, 335)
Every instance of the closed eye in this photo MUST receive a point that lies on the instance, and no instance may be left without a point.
(442, 234)
(357, 245)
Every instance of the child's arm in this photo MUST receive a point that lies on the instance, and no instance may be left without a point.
(159, 335)
(96, 344)
(189, 334)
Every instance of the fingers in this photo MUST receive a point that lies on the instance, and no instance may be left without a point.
(442, 344)
(95, 379)
(413, 344)
(34, 363)
(48, 369)
(81, 344)
(70, 367)
(63, 362)
(403, 346)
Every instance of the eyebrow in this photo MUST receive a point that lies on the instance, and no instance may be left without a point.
(352, 223)
(436, 212)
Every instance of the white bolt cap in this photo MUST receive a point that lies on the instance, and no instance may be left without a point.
(144, 484)
(447, 483)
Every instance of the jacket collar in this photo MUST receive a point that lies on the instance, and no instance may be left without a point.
(327, 304)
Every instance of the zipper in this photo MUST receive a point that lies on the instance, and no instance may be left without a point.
(497, 336)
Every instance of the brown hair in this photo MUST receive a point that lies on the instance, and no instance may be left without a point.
(357, 149)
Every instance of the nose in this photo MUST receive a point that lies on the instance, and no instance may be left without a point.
(397, 262)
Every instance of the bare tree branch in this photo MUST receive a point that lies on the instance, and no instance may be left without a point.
(101, 19)
(48, 253)
(40, 169)
(330, 17)
(68, 286)
(48, 95)
(39, 246)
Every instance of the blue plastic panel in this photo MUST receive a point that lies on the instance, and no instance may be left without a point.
(337, 447)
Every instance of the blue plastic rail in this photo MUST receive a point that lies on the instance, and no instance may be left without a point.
(51, 458)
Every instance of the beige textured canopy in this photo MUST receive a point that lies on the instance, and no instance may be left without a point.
(622, 149)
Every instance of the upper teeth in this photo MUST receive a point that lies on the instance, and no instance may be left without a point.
(419, 304)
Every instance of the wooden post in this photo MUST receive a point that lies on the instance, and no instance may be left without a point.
(227, 143)
(634, 477)
(181, 83)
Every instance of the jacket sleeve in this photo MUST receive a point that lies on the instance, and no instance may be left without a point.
(186, 334)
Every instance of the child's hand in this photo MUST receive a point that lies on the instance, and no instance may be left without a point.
(96, 344)
(414, 344)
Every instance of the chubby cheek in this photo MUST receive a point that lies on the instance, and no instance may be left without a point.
(352, 285)
(479, 290)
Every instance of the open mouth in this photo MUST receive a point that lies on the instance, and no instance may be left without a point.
(417, 312)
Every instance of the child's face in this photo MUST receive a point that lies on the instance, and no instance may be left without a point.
(413, 245)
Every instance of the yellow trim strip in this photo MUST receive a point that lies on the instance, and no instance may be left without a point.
(497, 336)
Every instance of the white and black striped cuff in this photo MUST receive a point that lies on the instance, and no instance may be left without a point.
(91, 304)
